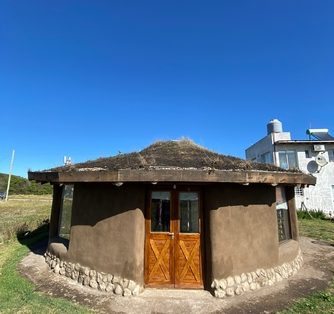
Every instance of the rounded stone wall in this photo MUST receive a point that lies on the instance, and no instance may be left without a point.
(92, 278)
(236, 285)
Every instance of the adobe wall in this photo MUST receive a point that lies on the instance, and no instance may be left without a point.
(240, 237)
(242, 248)
(108, 229)
(242, 228)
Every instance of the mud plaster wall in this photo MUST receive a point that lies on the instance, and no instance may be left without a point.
(242, 228)
(107, 232)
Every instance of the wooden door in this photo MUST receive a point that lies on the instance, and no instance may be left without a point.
(173, 240)
(159, 252)
(188, 264)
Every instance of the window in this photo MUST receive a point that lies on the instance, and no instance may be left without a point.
(266, 158)
(283, 216)
(307, 154)
(160, 211)
(66, 212)
(189, 214)
(299, 191)
(331, 155)
(287, 159)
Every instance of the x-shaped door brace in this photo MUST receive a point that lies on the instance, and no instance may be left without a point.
(159, 256)
(189, 259)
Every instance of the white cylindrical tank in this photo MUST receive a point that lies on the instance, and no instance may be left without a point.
(274, 126)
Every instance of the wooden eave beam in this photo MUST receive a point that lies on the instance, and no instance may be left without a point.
(167, 175)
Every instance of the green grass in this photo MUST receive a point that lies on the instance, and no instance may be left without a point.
(22, 213)
(317, 229)
(320, 302)
(17, 294)
(304, 214)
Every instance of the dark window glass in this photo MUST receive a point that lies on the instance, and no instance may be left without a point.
(287, 159)
(283, 217)
(66, 212)
(160, 212)
(189, 212)
(292, 160)
(283, 160)
(267, 158)
(307, 154)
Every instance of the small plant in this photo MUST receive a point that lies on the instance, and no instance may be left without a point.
(307, 214)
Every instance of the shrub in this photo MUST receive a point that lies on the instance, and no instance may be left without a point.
(316, 214)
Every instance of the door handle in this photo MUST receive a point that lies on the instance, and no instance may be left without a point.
(171, 234)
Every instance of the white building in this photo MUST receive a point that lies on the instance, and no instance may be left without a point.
(313, 156)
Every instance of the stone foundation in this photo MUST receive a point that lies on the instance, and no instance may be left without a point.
(226, 287)
(91, 278)
(237, 285)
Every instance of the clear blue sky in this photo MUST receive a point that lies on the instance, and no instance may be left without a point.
(91, 78)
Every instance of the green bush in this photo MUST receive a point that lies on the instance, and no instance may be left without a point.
(19, 185)
(304, 214)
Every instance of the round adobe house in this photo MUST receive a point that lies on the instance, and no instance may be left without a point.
(174, 215)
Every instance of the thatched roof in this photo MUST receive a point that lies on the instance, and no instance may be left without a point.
(172, 161)
(177, 154)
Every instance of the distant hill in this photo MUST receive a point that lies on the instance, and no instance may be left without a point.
(19, 185)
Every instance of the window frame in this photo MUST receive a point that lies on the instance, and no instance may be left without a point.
(266, 158)
(170, 211)
(288, 162)
(280, 208)
(61, 211)
(331, 155)
(299, 191)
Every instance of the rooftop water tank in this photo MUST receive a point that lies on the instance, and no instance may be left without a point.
(274, 126)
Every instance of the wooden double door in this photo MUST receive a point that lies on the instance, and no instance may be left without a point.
(173, 240)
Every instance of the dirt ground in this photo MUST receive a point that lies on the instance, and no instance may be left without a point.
(315, 275)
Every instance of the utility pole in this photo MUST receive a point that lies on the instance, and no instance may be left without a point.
(10, 173)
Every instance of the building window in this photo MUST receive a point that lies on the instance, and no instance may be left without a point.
(299, 191)
(307, 153)
(331, 155)
(287, 159)
(160, 211)
(266, 158)
(189, 212)
(283, 216)
(66, 212)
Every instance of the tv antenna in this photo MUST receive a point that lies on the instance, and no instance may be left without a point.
(67, 160)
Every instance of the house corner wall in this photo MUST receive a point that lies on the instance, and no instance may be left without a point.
(108, 229)
(242, 228)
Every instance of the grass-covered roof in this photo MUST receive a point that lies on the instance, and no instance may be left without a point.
(176, 154)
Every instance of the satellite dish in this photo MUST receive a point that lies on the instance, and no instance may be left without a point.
(321, 160)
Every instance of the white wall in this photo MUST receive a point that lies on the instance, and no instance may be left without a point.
(265, 145)
(318, 197)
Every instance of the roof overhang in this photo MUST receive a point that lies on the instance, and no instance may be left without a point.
(314, 142)
(168, 175)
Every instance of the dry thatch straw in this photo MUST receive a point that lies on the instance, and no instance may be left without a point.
(177, 154)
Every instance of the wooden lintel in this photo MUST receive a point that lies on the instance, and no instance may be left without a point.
(174, 175)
